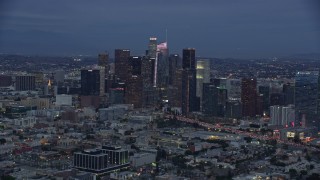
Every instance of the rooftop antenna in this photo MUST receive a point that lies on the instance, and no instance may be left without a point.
(167, 35)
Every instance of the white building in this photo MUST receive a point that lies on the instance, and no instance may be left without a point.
(63, 100)
(282, 115)
(203, 74)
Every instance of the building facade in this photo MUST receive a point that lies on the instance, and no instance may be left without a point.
(122, 63)
(189, 81)
(203, 74)
(25, 83)
(90, 82)
(248, 96)
(307, 98)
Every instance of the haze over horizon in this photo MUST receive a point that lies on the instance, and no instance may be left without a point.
(246, 29)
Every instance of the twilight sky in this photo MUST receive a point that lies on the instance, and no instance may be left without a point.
(216, 28)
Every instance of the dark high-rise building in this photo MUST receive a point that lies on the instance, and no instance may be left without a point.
(147, 73)
(307, 98)
(248, 96)
(5, 81)
(134, 82)
(233, 109)
(25, 83)
(214, 100)
(209, 102)
(103, 66)
(220, 82)
(135, 63)
(288, 91)
(176, 93)
(259, 105)
(189, 81)
(265, 91)
(147, 70)
(189, 90)
(222, 101)
(277, 99)
(122, 64)
(90, 82)
(189, 58)
(173, 66)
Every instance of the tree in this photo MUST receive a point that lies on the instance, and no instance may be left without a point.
(8, 178)
(248, 139)
(311, 166)
(285, 146)
(3, 141)
(273, 142)
(313, 176)
(284, 157)
(179, 161)
(303, 172)
(308, 158)
(293, 173)
(188, 152)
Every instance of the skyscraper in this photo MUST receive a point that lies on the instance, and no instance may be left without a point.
(288, 91)
(134, 82)
(162, 65)
(102, 71)
(189, 58)
(203, 75)
(282, 115)
(133, 93)
(307, 98)
(90, 82)
(209, 102)
(248, 96)
(122, 63)
(173, 66)
(176, 93)
(103, 59)
(214, 100)
(189, 81)
(152, 47)
(135, 63)
(147, 72)
(265, 91)
(103, 66)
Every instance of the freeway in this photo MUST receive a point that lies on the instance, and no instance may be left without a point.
(244, 133)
